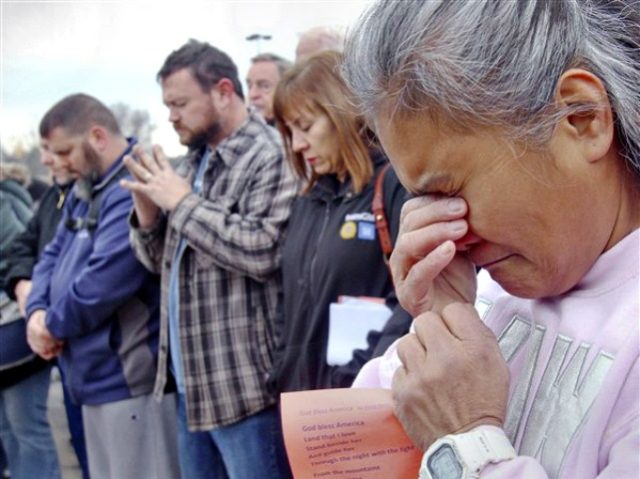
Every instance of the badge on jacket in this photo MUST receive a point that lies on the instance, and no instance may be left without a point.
(361, 225)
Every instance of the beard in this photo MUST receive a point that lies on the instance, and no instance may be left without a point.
(200, 138)
(84, 184)
(194, 138)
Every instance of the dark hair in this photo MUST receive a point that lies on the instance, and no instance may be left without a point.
(76, 114)
(207, 64)
(282, 63)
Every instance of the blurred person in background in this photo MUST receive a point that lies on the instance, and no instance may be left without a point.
(20, 173)
(213, 229)
(263, 77)
(22, 256)
(523, 147)
(332, 246)
(24, 381)
(319, 39)
(96, 307)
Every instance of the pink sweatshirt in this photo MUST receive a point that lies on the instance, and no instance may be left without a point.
(573, 409)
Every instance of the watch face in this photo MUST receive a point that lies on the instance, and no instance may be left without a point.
(444, 464)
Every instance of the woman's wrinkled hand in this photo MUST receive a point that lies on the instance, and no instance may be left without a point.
(453, 376)
(429, 266)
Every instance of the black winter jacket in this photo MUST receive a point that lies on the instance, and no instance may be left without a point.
(23, 254)
(25, 248)
(331, 249)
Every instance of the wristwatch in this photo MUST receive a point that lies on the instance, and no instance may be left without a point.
(463, 456)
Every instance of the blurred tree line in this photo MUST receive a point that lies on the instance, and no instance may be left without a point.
(133, 122)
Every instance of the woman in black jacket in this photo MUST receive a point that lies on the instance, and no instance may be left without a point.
(332, 247)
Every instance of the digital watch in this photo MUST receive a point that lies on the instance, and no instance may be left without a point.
(463, 456)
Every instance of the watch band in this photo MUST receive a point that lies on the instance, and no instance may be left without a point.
(474, 450)
(484, 446)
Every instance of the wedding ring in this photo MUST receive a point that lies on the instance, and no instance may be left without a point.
(147, 176)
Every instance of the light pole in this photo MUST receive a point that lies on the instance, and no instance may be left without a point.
(257, 37)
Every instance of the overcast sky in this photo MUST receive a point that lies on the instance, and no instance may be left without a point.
(113, 49)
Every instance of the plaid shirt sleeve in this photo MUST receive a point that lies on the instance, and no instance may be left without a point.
(243, 238)
(148, 245)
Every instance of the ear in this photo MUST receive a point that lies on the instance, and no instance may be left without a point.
(223, 92)
(592, 127)
(97, 137)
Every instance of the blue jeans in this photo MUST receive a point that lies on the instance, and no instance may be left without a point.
(24, 429)
(3, 459)
(252, 447)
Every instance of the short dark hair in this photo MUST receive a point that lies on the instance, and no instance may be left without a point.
(282, 63)
(207, 64)
(76, 114)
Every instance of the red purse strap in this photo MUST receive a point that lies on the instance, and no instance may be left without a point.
(377, 205)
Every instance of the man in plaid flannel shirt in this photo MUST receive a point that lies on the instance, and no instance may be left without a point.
(213, 228)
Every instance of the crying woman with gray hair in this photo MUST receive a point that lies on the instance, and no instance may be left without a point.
(516, 124)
